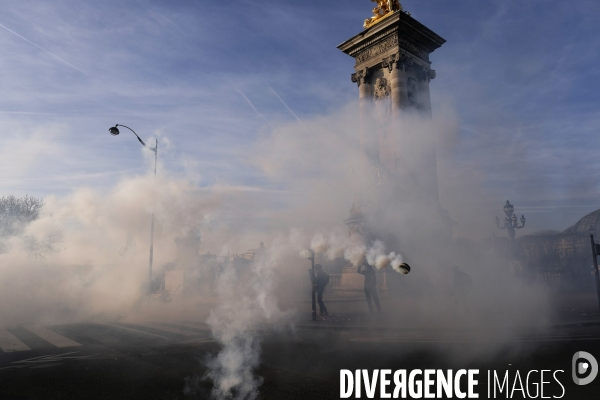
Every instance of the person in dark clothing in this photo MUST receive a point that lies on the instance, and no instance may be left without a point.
(370, 286)
(321, 280)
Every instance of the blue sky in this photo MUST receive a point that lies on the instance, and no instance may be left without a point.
(207, 77)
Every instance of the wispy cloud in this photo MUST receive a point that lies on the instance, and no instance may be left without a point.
(285, 105)
(254, 107)
(41, 48)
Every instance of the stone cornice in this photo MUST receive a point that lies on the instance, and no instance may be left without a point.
(400, 21)
(371, 41)
(399, 32)
(374, 50)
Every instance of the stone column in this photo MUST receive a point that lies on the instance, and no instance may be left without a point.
(368, 140)
(399, 95)
(423, 87)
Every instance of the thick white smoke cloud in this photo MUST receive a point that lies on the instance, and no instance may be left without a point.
(313, 170)
(248, 307)
(376, 256)
(87, 254)
(320, 174)
(319, 166)
(353, 250)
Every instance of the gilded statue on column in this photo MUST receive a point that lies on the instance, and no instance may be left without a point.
(384, 9)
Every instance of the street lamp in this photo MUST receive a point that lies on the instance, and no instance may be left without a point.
(115, 131)
(595, 253)
(511, 224)
(311, 272)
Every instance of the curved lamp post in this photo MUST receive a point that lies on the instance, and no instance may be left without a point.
(511, 224)
(115, 131)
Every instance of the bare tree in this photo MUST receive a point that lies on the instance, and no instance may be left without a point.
(39, 248)
(17, 212)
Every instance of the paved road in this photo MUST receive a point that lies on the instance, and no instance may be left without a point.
(153, 360)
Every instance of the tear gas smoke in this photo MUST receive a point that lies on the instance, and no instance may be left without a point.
(336, 245)
(354, 251)
(248, 308)
(100, 268)
(408, 229)
(86, 255)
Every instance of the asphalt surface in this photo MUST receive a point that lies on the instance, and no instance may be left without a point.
(159, 360)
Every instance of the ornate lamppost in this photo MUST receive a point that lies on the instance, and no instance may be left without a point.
(511, 224)
(115, 131)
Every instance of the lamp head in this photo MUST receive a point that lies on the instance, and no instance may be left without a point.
(114, 130)
(508, 209)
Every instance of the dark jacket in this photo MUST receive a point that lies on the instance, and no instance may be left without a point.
(321, 280)
(370, 280)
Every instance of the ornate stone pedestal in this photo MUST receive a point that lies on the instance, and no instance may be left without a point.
(351, 283)
(392, 72)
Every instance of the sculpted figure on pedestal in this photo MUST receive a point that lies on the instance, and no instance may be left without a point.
(383, 9)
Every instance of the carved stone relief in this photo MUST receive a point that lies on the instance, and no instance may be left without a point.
(413, 49)
(377, 49)
(390, 62)
(382, 88)
(405, 60)
(361, 76)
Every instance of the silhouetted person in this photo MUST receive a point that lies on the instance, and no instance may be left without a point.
(370, 286)
(321, 280)
(461, 287)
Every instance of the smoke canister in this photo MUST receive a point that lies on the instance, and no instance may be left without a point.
(404, 268)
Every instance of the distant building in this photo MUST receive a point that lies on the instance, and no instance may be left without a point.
(561, 255)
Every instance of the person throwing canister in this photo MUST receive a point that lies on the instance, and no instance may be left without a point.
(370, 286)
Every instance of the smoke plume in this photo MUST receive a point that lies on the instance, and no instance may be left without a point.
(92, 247)
(248, 308)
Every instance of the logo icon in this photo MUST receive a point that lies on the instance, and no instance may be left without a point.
(581, 367)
